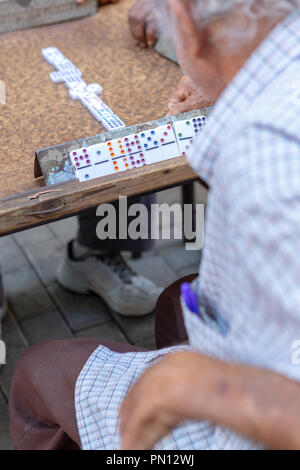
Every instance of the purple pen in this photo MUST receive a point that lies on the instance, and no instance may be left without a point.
(190, 298)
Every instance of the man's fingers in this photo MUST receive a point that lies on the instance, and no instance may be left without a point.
(137, 25)
(179, 94)
(142, 22)
(151, 33)
(141, 428)
(131, 422)
(126, 410)
(178, 108)
(192, 102)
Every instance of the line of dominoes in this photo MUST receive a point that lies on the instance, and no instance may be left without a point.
(136, 150)
(67, 73)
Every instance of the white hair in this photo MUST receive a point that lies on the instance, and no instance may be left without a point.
(255, 9)
(204, 11)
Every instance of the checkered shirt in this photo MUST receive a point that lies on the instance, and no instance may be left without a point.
(249, 154)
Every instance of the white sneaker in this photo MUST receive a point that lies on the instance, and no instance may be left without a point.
(111, 278)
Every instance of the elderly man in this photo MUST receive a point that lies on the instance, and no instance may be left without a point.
(236, 386)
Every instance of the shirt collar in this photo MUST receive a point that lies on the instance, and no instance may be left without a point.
(274, 54)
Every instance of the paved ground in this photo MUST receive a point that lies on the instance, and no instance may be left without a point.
(39, 309)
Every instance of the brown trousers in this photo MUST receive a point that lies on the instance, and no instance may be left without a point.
(42, 409)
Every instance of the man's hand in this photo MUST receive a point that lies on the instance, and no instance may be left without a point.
(168, 393)
(100, 2)
(143, 23)
(257, 403)
(186, 97)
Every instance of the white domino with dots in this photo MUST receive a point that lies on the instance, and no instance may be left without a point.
(136, 150)
(150, 146)
(186, 132)
(88, 94)
(118, 155)
(167, 142)
(101, 160)
(82, 164)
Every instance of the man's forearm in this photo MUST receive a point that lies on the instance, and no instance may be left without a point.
(256, 403)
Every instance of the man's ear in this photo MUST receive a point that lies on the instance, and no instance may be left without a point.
(189, 37)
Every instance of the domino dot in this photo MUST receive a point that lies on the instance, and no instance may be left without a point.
(143, 160)
(122, 152)
(76, 159)
(115, 163)
(116, 168)
(152, 132)
(139, 147)
(180, 135)
(141, 155)
(131, 158)
(126, 139)
(133, 144)
(133, 163)
(128, 145)
(110, 149)
(127, 166)
(84, 151)
(88, 161)
(99, 152)
(136, 137)
(129, 150)
(169, 128)
(74, 153)
(162, 140)
(109, 144)
(188, 123)
(124, 159)
(138, 162)
(191, 141)
(86, 156)
(138, 142)
(155, 142)
(77, 164)
(81, 157)
(112, 155)
(194, 120)
(143, 135)
(87, 177)
(166, 134)
(119, 141)
(146, 146)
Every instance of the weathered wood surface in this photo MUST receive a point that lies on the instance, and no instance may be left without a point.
(21, 212)
(23, 14)
(40, 114)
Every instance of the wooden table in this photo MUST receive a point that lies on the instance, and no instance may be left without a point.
(39, 114)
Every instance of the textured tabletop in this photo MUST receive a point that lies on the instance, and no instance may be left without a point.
(40, 114)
